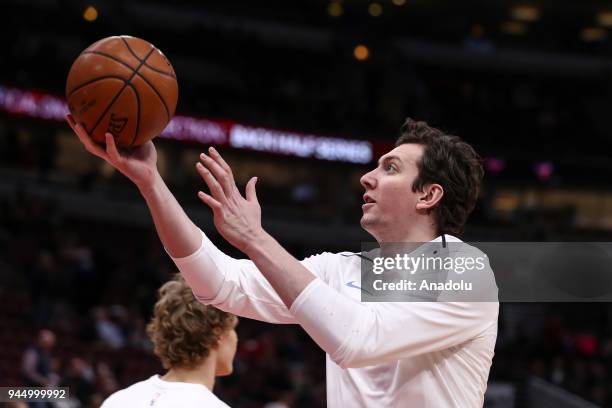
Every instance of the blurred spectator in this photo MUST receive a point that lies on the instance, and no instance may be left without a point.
(107, 330)
(38, 366)
(106, 381)
(79, 378)
(37, 363)
(16, 404)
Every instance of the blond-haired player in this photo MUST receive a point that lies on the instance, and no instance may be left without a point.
(194, 342)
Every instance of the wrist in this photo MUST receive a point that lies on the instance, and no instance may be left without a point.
(151, 184)
(256, 242)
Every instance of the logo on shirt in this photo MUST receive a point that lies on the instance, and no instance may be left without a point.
(154, 399)
(352, 284)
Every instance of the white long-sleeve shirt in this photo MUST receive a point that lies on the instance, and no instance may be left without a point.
(391, 354)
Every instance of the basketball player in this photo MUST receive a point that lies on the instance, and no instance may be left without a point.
(194, 342)
(419, 354)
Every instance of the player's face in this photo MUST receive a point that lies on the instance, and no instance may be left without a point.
(227, 351)
(389, 203)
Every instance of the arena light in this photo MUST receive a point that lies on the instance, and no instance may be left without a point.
(544, 170)
(361, 52)
(399, 2)
(375, 9)
(525, 12)
(90, 14)
(38, 105)
(514, 28)
(494, 165)
(604, 18)
(334, 9)
(506, 201)
(591, 34)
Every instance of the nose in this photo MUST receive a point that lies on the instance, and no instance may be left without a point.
(368, 180)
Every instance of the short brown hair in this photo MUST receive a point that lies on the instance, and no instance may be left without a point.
(449, 161)
(183, 330)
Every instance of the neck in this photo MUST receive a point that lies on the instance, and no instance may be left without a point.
(423, 230)
(203, 373)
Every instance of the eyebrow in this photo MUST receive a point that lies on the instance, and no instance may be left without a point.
(389, 158)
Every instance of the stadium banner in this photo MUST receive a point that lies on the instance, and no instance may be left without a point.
(41, 105)
(455, 271)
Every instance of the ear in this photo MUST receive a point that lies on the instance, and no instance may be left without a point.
(219, 332)
(430, 196)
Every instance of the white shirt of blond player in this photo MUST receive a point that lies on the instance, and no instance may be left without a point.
(378, 354)
(157, 393)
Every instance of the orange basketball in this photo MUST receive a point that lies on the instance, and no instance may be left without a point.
(122, 85)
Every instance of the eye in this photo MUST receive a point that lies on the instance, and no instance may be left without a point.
(390, 167)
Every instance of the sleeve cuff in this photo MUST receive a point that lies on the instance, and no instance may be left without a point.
(303, 296)
(201, 272)
(188, 258)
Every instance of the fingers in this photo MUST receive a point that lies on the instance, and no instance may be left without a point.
(209, 201)
(212, 183)
(251, 193)
(221, 162)
(111, 148)
(78, 129)
(70, 120)
(85, 138)
(221, 175)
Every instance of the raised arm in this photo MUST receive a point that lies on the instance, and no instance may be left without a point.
(238, 220)
(179, 235)
(231, 284)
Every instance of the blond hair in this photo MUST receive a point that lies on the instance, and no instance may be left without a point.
(183, 330)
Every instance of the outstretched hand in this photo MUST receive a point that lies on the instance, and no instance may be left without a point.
(139, 165)
(237, 219)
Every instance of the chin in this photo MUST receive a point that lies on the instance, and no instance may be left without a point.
(365, 220)
(368, 222)
(368, 226)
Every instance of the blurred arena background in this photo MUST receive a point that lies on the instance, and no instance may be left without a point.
(305, 95)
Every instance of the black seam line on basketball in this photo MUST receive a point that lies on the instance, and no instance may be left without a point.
(102, 54)
(120, 91)
(92, 81)
(151, 86)
(159, 71)
(137, 114)
(130, 48)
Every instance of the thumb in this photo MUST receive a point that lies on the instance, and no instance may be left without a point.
(251, 194)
